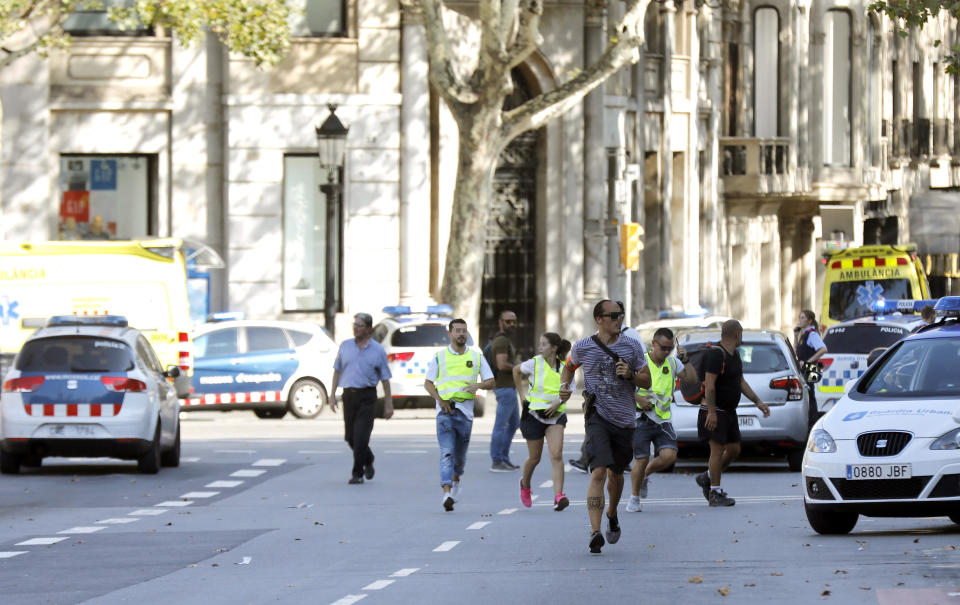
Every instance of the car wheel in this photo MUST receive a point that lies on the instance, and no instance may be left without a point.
(307, 399)
(830, 522)
(9, 463)
(171, 457)
(271, 413)
(32, 461)
(955, 517)
(149, 462)
(795, 460)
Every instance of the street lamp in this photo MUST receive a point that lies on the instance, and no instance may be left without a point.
(331, 140)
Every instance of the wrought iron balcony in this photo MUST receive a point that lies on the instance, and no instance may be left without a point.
(752, 166)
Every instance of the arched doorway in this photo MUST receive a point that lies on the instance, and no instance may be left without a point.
(509, 265)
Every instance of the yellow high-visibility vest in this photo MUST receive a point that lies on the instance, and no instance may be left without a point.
(456, 372)
(661, 387)
(544, 386)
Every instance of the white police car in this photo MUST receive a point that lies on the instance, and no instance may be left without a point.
(410, 339)
(849, 344)
(890, 447)
(89, 387)
(266, 366)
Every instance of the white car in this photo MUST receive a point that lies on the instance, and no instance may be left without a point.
(270, 367)
(890, 447)
(410, 339)
(89, 387)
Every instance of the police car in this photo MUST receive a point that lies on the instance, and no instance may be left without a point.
(890, 447)
(850, 342)
(410, 340)
(270, 367)
(89, 387)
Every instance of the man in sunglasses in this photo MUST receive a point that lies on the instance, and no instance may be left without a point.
(503, 356)
(613, 367)
(653, 414)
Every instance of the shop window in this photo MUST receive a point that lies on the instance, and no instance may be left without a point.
(107, 197)
(96, 21)
(310, 18)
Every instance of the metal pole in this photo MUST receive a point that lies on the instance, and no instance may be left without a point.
(332, 258)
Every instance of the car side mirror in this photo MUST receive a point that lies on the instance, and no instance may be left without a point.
(172, 372)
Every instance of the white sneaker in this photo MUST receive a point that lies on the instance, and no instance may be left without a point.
(633, 506)
(455, 491)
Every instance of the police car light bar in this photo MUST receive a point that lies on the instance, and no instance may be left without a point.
(440, 309)
(948, 306)
(397, 310)
(114, 321)
(901, 306)
(226, 315)
(430, 310)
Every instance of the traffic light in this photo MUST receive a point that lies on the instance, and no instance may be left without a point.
(631, 243)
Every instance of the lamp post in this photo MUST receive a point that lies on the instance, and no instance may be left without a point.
(331, 140)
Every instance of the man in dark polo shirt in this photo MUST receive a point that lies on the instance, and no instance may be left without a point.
(610, 380)
(717, 422)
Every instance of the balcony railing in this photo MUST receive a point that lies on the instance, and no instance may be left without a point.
(759, 167)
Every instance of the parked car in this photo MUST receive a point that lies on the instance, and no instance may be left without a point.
(89, 387)
(410, 339)
(890, 447)
(770, 368)
(270, 367)
(681, 322)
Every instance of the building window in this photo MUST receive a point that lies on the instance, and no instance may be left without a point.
(107, 197)
(312, 18)
(96, 21)
(766, 52)
(305, 215)
(836, 89)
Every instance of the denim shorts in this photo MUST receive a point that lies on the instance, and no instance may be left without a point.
(647, 432)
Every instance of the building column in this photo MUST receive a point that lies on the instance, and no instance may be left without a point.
(594, 162)
(666, 161)
(788, 272)
(808, 270)
(414, 162)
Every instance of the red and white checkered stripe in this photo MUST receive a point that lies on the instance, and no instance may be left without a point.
(83, 410)
(215, 398)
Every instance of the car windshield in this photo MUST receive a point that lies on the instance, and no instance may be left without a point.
(851, 299)
(423, 335)
(918, 368)
(861, 339)
(75, 354)
(762, 358)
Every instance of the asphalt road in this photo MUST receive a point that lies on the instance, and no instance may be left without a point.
(260, 512)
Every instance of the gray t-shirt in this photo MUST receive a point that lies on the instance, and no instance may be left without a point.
(615, 402)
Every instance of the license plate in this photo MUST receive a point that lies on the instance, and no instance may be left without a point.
(746, 421)
(71, 430)
(879, 471)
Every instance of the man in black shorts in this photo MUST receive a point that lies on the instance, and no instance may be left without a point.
(717, 422)
(613, 367)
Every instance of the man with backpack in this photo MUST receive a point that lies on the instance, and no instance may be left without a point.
(501, 355)
(717, 422)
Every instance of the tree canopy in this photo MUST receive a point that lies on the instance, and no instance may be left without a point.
(907, 14)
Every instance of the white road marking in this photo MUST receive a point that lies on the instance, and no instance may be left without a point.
(82, 530)
(40, 541)
(547, 483)
(189, 495)
(190, 459)
(247, 473)
(115, 521)
(479, 525)
(507, 511)
(12, 553)
(269, 462)
(402, 573)
(175, 503)
(224, 484)
(235, 451)
(378, 585)
(446, 546)
(319, 451)
(245, 561)
(405, 452)
(534, 498)
(350, 599)
(149, 512)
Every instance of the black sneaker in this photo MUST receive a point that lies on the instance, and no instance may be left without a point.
(499, 466)
(448, 502)
(704, 482)
(576, 464)
(368, 471)
(613, 529)
(596, 542)
(511, 465)
(720, 498)
(355, 480)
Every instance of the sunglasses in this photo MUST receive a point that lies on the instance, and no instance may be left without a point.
(663, 348)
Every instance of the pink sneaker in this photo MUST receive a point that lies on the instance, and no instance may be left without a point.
(560, 502)
(525, 498)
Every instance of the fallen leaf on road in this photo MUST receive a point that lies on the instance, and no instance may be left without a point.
(214, 565)
(697, 579)
(915, 540)
(724, 590)
(719, 560)
(836, 571)
(794, 485)
(825, 593)
(776, 573)
(651, 546)
(734, 540)
(864, 588)
(749, 584)
(805, 545)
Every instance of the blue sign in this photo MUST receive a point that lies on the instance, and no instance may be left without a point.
(103, 175)
(8, 310)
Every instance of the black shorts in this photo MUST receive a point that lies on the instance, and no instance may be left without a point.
(532, 429)
(727, 431)
(608, 445)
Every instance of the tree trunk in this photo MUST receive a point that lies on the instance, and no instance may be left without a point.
(463, 271)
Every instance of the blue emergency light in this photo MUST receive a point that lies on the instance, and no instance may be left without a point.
(948, 306)
(395, 310)
(112, 321)
(226, 316)
(901, 306)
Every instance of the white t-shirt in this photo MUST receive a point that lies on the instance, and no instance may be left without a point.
(677, 368)
(433, 371)
(527, 368)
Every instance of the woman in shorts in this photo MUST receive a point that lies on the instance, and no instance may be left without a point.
(543, 414)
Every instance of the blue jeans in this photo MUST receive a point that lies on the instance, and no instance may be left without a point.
(506, 424)
(453, 435)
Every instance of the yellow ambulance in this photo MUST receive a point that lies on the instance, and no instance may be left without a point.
(143, 280)
(856, 278)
